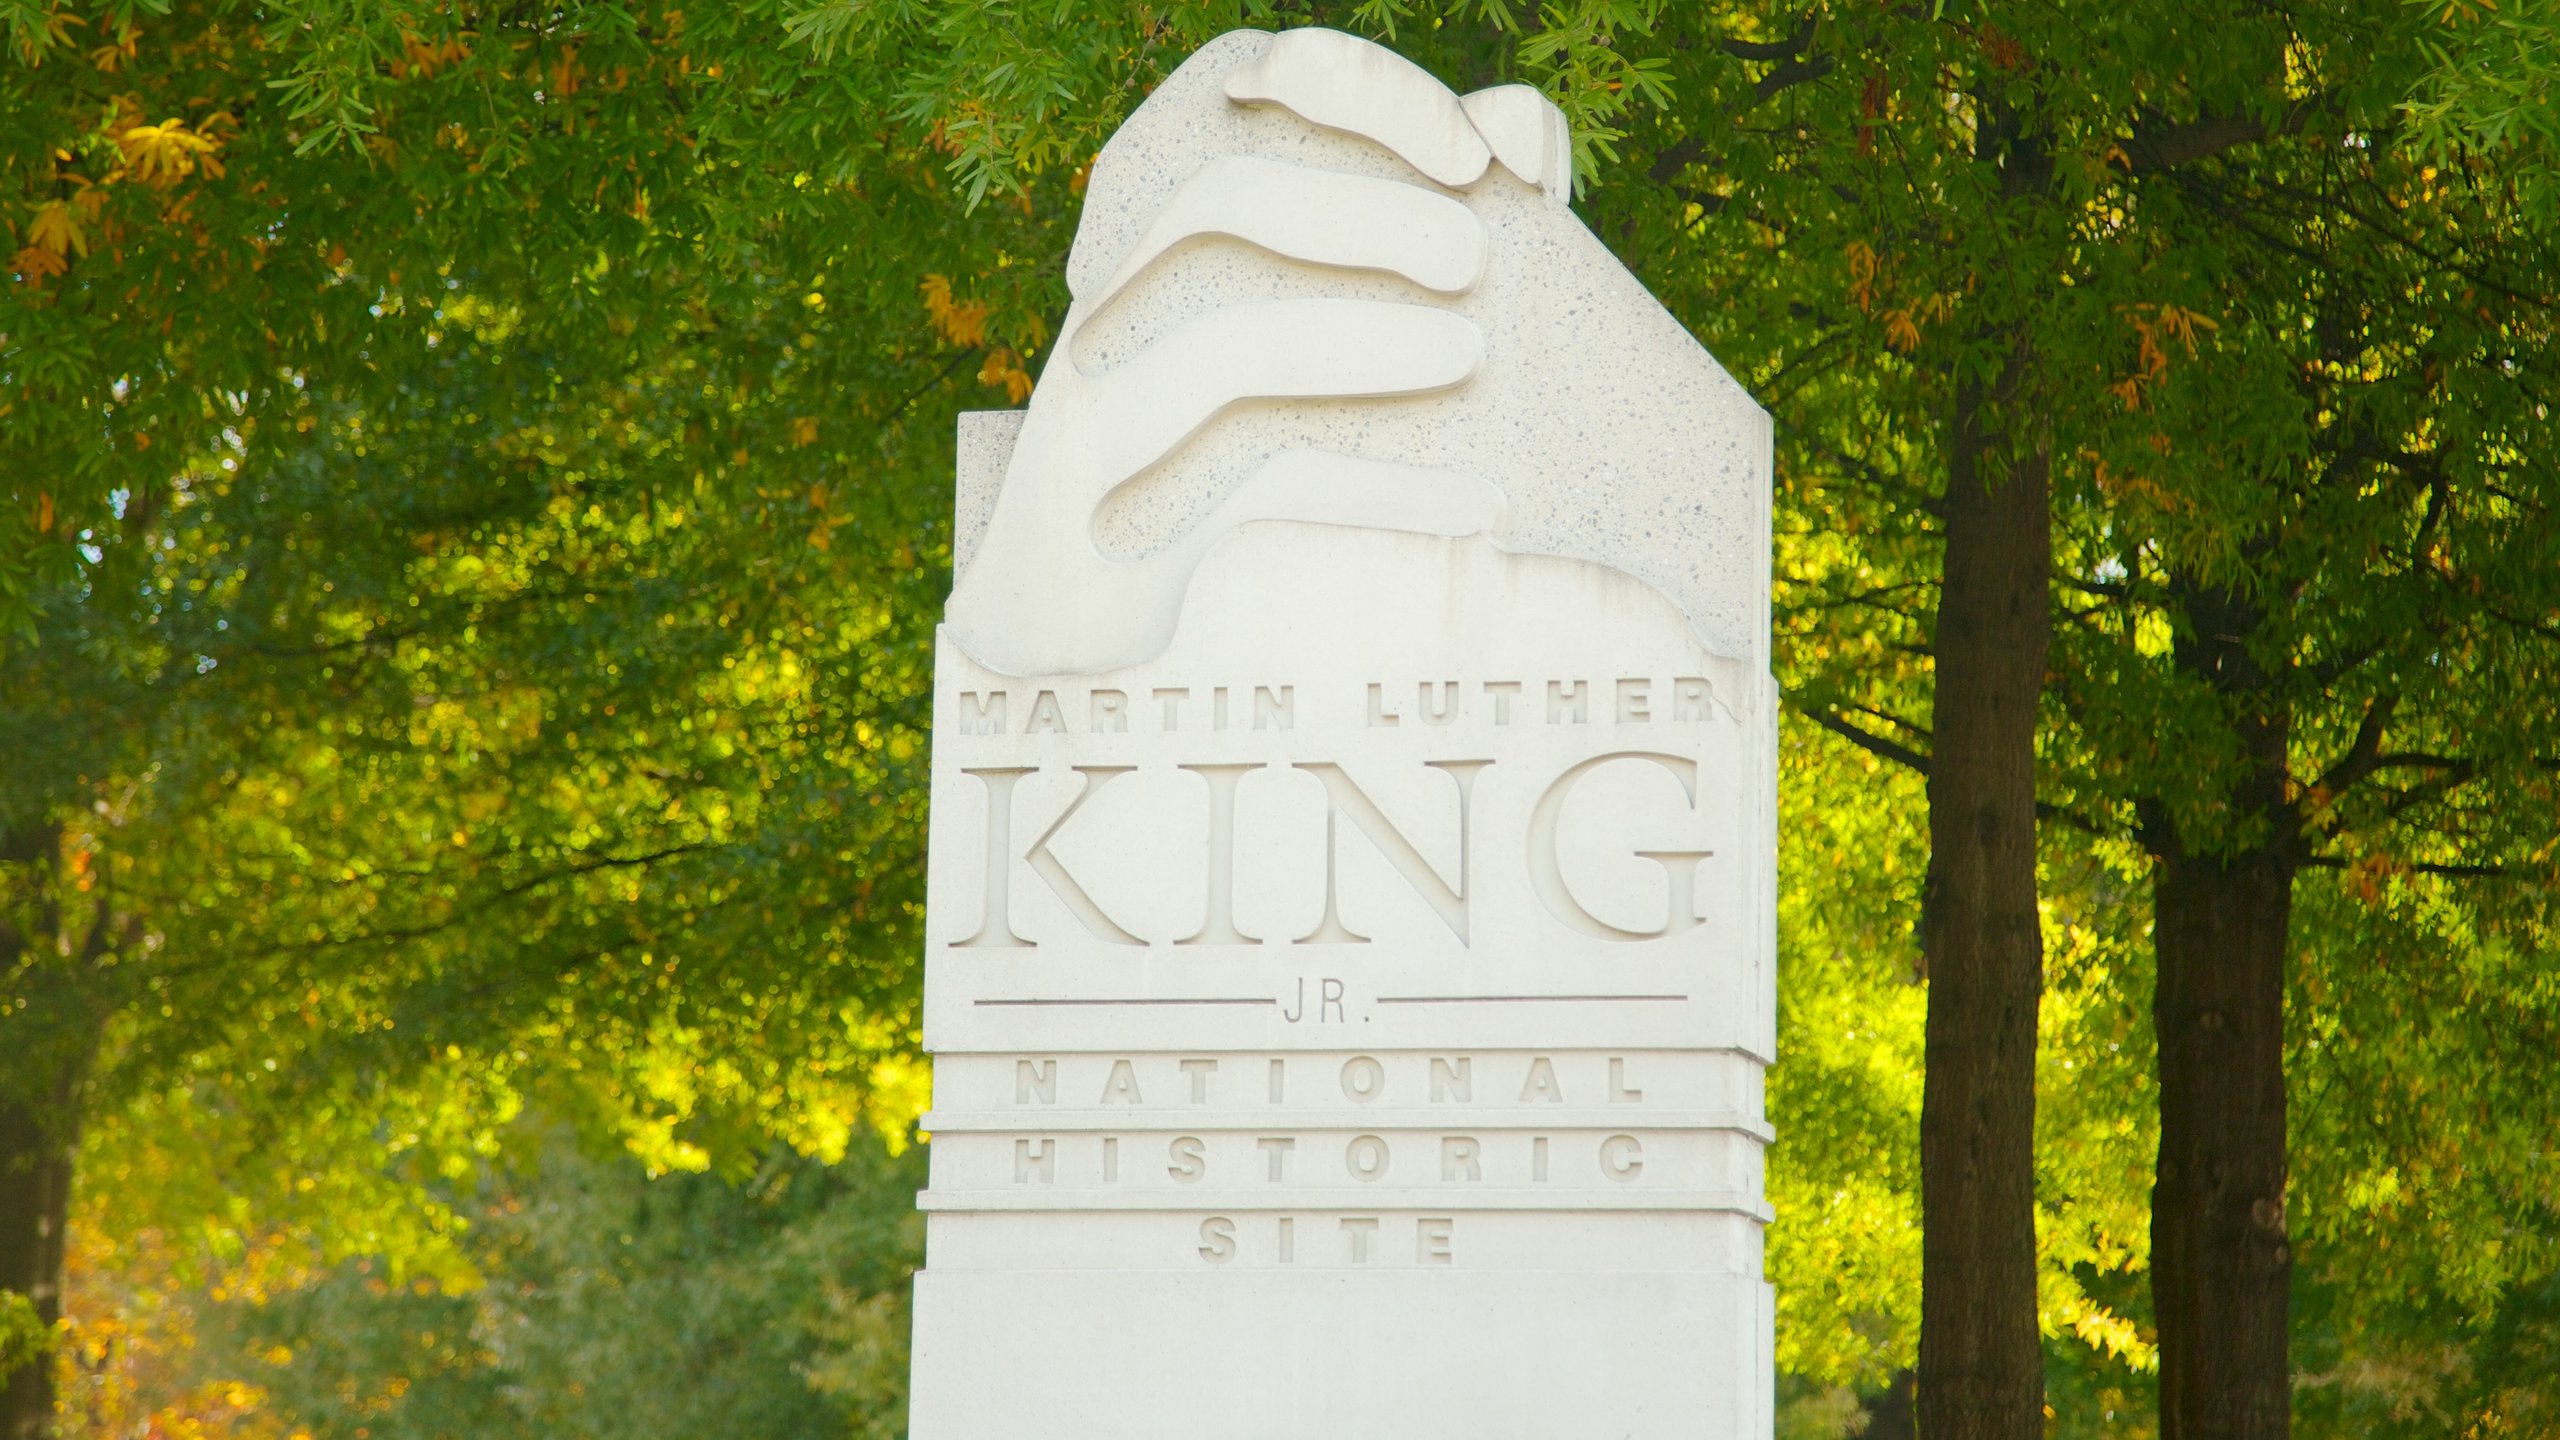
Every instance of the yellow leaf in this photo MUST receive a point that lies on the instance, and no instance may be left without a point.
(168, 152)
(38, 264)
(57, 230)
(962, 322)
(1004, 368)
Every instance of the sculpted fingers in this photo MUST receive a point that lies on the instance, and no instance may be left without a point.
(1345, 83)
(1269, 350)
(1528, 134)
(1342, 82)
(1042, 594)
(1320, 217)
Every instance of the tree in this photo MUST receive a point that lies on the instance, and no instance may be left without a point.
(2332, 519)
(2243, 202)
(524, 560)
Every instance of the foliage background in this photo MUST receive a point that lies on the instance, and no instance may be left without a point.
(477, 489)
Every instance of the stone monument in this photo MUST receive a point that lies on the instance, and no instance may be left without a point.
(1351, 903)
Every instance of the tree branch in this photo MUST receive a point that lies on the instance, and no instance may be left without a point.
(2163, 144)
(1789, 75)
(1792, 62)
(2421, 867)
(1873, 744)
(1761, 51)
(2363, 751)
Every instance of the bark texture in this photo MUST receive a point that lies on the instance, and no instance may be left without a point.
(1981, 1373)
(41, 1082)
(36, 1142)
(2221, 1267)
(2221, 1262)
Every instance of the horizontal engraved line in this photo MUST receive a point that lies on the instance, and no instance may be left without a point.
(1513, 999)
(1146, 1000)
(1172, 1120)
(1367, 1200)
(1157, 1050)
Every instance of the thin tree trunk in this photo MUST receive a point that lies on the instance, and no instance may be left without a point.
(2221, 1263)
(1981, 1374)
(40, 1088)
(36, 1145)
(2221, 1267)
(1891, 1415)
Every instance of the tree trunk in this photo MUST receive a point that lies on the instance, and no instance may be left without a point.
(40, 1086)
(2221, 1267)
(1891, 1415)
(36, 1144)
(1981, 1371)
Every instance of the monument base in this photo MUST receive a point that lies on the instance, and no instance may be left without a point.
(1518, 1355)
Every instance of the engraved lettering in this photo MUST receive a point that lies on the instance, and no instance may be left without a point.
(1379, 715)
(995, 927)
(1330, 1001)
(1577, 700)
(1502, 692)
(1030, 1080)
(1362, 1078)
(1199, 1071)
(1443, 712)
(1679, 867)
(1217, 1239)
(1275, 1149)
(1111, 1157)
(1288, 1241)
(1297, 1012)
(1689, 698)
(1171, 698)
(1459, 1158)
(1046, 718)
(1541, 1084)
(1453, 1079)
(995, 923)
(1108, 710)
(1122, 1087)
(1187, 1158)
(981, 714)
(1680, 880)
(1431, 1240)
(1279, 1074)
(1344, 798)
(1275, 710)
(1538, 1158)
(1030, 1164)
(1634, 701)
(1622, 1156)
(1218, 925)
(1619, 1091)
(1365, 1157)
(1218, 708)
(1359, 1228)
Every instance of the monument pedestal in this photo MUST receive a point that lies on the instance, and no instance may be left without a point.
(1363, 1164)
(1343, 1355)
(1351, 899)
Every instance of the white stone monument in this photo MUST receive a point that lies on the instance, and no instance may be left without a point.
(1351, 904)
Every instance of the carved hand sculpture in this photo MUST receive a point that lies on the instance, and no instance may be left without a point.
(1043, 594)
